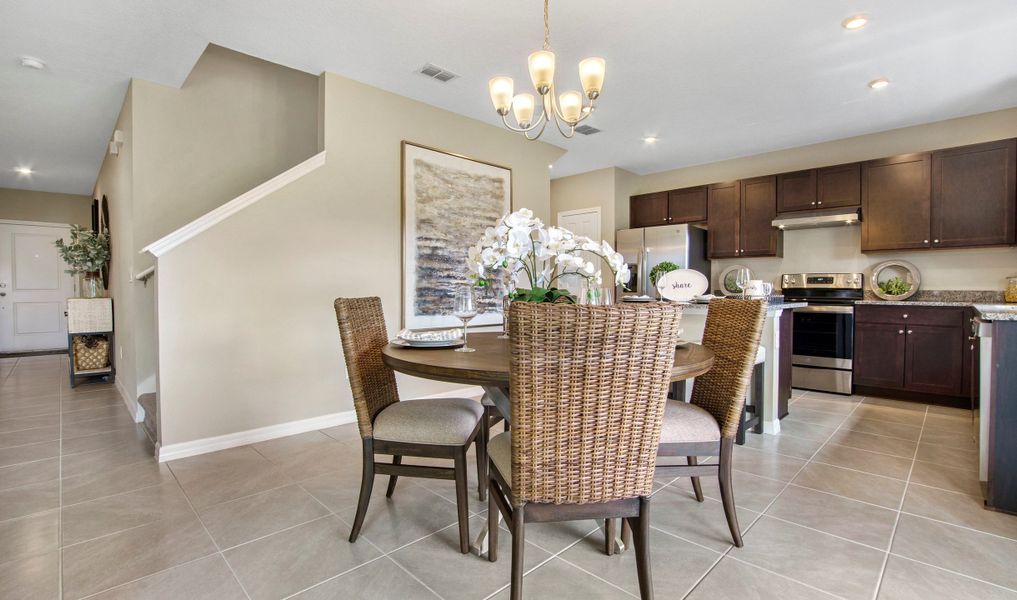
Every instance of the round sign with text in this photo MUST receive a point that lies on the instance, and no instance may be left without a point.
(682, 285)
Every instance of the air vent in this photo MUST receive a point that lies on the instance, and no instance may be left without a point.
(436, 72)
(587, 130)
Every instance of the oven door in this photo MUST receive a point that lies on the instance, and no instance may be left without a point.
(823, 336)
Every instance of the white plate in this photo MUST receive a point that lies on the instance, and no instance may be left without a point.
(435, 344)
(430, 335)
(637, 299)
(729, 273)
(682, 285)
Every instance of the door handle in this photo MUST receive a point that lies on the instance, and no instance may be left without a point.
(901, 332)
(3, 293)
(910, 332)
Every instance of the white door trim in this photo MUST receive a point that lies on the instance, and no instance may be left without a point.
(34, 223)
(579, 211)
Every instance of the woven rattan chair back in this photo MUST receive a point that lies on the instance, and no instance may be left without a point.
(362, 329)
(588, 386)
(733, 329)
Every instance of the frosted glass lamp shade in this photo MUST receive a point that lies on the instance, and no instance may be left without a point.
(591, 75)
(541, 65)
(522, 106)
(571, 106)
(501, 94)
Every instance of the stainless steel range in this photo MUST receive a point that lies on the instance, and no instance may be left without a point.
(823, 346)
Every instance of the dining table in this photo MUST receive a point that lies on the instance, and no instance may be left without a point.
(489, 365)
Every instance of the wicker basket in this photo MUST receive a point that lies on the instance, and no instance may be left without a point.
(91, 352)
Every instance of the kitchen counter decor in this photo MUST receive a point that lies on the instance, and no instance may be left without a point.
(895, 280)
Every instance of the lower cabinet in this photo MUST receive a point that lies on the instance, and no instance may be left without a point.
(911, 349)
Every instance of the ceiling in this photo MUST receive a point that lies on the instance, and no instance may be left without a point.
(713, 80)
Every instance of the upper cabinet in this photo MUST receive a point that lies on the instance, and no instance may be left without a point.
(796, 191)
(973, 195)
(686, 205)
(895, 203)
(740, 218)
(647, 210)
(724, 212)
(829, 187)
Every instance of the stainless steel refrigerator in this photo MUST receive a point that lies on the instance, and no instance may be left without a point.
(647, 247)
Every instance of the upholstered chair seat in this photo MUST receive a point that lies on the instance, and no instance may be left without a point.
(686, 422)
(499, 452)
(441, 421)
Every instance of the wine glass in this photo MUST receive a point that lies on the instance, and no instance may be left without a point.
(742, 277)
(506, 303)
(464, 307)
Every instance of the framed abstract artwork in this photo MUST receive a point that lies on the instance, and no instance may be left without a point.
(448, 202)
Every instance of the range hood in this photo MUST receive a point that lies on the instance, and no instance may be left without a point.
(811, 219)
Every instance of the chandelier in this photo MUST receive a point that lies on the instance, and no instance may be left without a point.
(568, 108)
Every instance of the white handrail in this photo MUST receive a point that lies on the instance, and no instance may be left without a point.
(209, 219)
(145, 275)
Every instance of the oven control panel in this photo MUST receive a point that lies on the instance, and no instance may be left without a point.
(844, 281)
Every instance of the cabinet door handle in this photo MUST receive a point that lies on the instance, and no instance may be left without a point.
(935, 241)
(925, 241)
(910, 332)
(820, 202)
(901, 332)
(813, 203)
(905, 315)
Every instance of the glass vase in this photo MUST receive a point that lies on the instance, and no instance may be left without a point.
(91, 285)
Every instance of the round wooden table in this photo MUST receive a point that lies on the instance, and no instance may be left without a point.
(488, 367)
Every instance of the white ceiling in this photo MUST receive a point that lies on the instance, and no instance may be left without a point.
(713, 80)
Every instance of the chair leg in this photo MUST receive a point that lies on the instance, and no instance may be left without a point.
(726, 491)
(518, 546)
(626, 534)
(462, 501)
(492, 523)
(366, 486)
(641, 534)
(696, 485)
(393, 478)
(610, 531)
(482, 437)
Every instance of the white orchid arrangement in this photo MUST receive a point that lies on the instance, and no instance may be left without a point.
(521, 243)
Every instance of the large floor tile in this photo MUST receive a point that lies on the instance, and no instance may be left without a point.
(97, 462)
(856, 521)
(238, 521)
(344, 433)
(948, 457)
(787, 445)
(840, 567)
(750, 491)
(950, 423)
(863, 460)
(29, 436)
(835, 405)
(958, 509)
(226, 475)
(766, 464)
(111, 514)
(29, 499)
(377, 580)
(907, 405)
(897, 430)
(875, 443)
(32, 577)
(100, 425)
(674, 510)
(28, 473)
(29, 453)
(207, 578)
(563, 581)
(979, 555)
(292, 560)
(963, 441)
(100, 564)
(814, 417)
(8, 425)
(852, 484)
(908, 580)
(106, 440)
(798, 428)
(117, 480)
(29, 536)
(947, 478)
(733, 579)
(666, 552)
(410, 514)
(888, 414)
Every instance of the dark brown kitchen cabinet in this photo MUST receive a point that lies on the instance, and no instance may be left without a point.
(687, 205)
(895, 203)
(796, 191)
(648, 210)
(839, 186)
(917, 349)
(758, 209)
(723, 221)
(974, 195)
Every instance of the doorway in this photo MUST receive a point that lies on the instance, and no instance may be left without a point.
(585, 222)
(33, 287)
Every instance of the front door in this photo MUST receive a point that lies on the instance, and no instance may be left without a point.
(33, 288)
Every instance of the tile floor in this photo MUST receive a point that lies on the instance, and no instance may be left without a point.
(858, 498)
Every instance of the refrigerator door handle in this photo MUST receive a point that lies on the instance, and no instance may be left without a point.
(639, 274)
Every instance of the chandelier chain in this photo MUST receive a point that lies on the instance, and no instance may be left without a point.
(547, 28)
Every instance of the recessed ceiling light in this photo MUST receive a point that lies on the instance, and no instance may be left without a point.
(23, 171)
(650, 139)
(32, 63)
(854, 23)
(878, 84)
(550, 166)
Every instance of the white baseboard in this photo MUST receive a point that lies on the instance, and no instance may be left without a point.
(136, 410)
(242, 438)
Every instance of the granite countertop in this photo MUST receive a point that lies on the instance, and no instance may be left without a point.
(939, 298)
(917, 302)
(695, 309)
(996, 312)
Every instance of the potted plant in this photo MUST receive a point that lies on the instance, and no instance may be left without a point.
(522, 245)
(85, 254)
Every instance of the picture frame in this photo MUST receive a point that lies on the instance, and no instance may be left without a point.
(448, 200)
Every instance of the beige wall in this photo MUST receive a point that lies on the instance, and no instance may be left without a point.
(839, 249)
(606, 189)
(46, 207)
(249, 339)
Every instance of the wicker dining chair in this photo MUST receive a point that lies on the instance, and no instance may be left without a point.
(587, 388)
(431, 428)
(708, 425)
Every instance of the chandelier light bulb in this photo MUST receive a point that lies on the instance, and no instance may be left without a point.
(522, 106)
(571, 105)
(541, 65)
(591, 75)
(501, 94)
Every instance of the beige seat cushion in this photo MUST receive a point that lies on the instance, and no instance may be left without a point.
(499, 450)
(684, 422)
(443, 421)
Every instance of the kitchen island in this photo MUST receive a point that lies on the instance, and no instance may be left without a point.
(997, 401)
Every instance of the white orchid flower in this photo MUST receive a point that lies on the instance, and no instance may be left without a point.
(521, 218)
